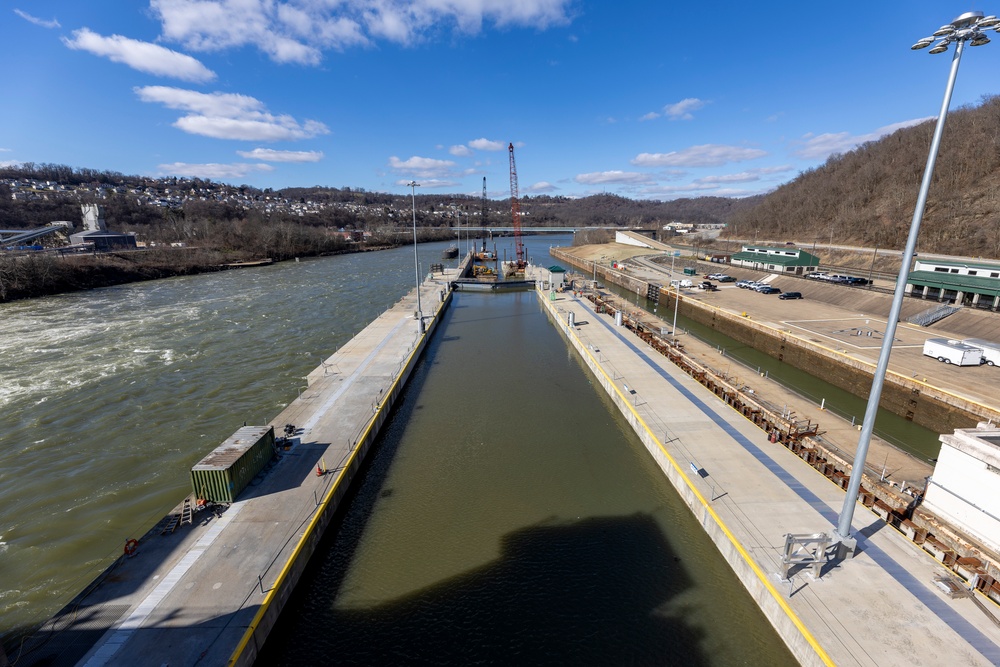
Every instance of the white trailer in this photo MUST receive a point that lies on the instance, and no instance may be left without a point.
(991, 350)
(953, 352)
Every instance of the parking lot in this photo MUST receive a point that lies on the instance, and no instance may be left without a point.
(851, 332)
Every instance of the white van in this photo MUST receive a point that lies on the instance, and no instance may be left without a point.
(991, 350)
(953, 352)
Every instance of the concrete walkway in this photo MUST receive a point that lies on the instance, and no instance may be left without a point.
(209, 593)
(880, 608)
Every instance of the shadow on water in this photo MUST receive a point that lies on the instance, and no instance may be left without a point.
(568, 592)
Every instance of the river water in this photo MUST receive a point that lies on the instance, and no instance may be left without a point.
(507, 514)
(110, 396)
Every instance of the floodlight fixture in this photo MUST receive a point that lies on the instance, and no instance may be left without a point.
(969, 27)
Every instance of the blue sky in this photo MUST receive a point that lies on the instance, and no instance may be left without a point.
(647, 100)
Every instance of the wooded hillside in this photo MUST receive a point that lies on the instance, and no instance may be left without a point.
(867, 196)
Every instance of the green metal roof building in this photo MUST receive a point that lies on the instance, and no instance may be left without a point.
(779, 260)
(974, 284)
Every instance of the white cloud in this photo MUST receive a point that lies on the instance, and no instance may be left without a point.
(9, 163)
(271, 155)
(422, 167)
(431, 183)
(212, 170)
(613, 176)
(682, 110)
(229, 116)
(37, 21)
(299, 30)
(819, 147)
(460, 151)
(541, 187)
(693, 190)
(652, 115)
(5, 150)
(705, 155)
(744, 176)
(487, 145)
(142, 56)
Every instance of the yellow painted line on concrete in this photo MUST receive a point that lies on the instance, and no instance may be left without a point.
(718, 520)
(272, 591)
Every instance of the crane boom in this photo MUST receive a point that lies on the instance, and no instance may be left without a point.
(485, 210)
(515, 210)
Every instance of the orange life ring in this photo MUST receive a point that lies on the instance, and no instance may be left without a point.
(130, 547)
(200, 502)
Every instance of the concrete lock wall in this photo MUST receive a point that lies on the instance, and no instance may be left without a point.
(750, 575)
(919, 402)
(274, 603)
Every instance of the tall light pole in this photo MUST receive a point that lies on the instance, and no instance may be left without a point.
(677, 294)
(416, 264)
(966, 28)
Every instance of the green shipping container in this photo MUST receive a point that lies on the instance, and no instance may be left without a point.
(690, 271)
(222, 475)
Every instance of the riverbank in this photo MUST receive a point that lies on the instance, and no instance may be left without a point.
(37, 275)
(33, 275)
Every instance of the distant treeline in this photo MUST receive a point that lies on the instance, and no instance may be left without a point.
(867, 196)
(220, 224)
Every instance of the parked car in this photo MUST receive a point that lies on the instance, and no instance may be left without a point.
(767, 289)
(851, 280)
(723, 278)
(790, 295)
(817, 276)
(743, 284)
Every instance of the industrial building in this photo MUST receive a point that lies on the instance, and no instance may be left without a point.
(95, 232)
(974, 284)
(777, 260)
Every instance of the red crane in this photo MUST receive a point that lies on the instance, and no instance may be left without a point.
(515, 212)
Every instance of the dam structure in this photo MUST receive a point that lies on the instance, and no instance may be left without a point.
(210, 593)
